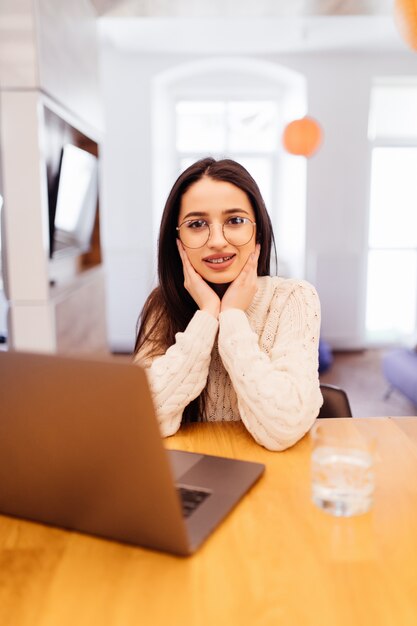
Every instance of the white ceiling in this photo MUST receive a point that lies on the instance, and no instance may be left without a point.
(253, 36)
(240, 8)
(249, 26)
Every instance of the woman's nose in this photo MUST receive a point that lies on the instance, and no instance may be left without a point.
(216, 237)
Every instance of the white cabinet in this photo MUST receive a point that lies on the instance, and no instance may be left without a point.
(51, 303)
(48, 94)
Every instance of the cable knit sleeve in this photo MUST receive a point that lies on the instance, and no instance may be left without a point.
(178, 376)
(278, 393)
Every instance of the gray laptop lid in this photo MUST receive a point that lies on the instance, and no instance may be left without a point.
(75, 451)
(80, 448)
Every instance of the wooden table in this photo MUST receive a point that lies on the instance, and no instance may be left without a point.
(277, 559)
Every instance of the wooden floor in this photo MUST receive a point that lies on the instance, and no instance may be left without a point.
(360, 375)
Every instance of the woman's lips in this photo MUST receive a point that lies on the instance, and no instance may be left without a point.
(219, 261)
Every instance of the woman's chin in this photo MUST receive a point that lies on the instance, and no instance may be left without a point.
(219, 278)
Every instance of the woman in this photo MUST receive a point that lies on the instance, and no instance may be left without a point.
(220, 338)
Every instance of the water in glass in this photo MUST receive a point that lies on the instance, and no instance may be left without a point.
(342, 480)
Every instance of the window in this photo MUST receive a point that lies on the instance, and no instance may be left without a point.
(392, 245)
(244, 130)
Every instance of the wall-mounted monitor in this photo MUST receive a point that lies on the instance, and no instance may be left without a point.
(76, 202)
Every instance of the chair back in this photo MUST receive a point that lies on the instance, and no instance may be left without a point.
(335, 402)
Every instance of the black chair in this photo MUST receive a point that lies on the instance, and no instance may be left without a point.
(336, 402)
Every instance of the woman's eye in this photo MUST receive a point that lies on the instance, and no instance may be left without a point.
(197, 224)
(237, 221)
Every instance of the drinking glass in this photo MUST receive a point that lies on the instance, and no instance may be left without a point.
(342, 469)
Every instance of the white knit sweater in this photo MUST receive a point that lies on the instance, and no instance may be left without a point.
(260, 366)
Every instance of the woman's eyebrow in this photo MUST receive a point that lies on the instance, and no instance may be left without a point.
(206, 214)
(236, 210)
(194, 214)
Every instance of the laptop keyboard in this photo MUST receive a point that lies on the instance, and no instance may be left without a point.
(191, 499)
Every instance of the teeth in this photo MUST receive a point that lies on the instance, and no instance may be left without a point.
(219, 260)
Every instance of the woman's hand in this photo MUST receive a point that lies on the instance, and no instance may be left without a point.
(202, 294)
(242, 290)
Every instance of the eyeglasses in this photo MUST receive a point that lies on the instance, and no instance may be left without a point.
(237, 231)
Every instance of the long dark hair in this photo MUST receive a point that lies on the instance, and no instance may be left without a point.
(169, 308)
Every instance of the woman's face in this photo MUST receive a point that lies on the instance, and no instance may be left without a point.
(215, 202)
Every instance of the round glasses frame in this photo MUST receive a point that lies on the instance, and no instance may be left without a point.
(178, 229)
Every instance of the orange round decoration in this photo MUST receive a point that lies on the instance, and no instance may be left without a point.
(302, 137)
(405, 13)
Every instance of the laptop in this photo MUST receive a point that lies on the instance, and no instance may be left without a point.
(80, 448)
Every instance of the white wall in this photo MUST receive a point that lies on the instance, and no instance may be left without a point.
(18, 55)
(126, 201)
(337, 181)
